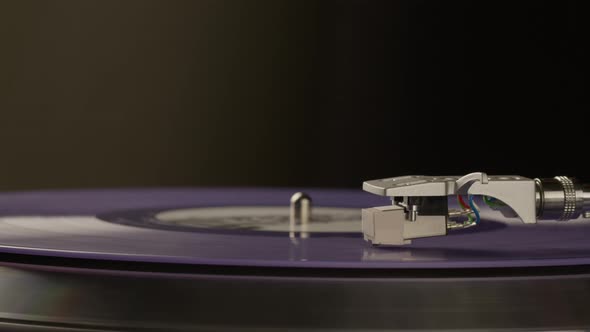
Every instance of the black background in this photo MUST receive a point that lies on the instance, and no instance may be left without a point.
(288, 93)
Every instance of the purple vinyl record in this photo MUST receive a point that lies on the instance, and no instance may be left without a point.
(246, 227)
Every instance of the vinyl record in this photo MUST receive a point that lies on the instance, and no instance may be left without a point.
(249, 227)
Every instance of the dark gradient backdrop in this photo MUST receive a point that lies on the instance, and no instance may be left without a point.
(288, 93)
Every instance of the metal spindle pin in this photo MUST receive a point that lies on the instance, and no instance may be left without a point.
(300, 210)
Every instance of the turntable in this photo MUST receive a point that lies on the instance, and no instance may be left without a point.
(425, 252)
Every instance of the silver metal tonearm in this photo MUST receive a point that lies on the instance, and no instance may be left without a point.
(420, 204)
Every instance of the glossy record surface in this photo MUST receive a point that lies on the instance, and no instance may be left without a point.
(72, 230)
